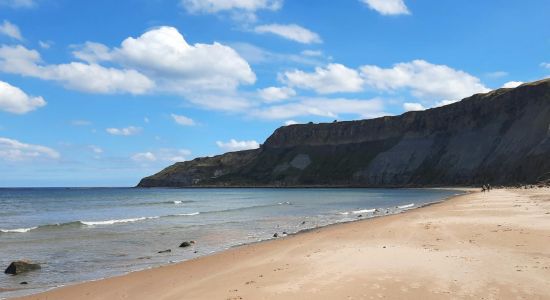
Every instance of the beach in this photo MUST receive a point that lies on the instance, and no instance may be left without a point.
(492, 245)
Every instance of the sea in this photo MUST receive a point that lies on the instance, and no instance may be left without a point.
(83, 234)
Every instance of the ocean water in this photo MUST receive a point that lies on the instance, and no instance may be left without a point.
(81, 234)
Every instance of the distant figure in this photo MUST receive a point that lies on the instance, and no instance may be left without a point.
(483, 188)
(489, 187)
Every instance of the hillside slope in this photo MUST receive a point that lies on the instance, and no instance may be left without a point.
(501, 137)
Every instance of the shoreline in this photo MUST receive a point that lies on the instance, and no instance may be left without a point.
(462, 190)
(65, 292)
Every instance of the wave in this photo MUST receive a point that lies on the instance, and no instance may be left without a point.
(131, 220)
(116, 221)
(406, 206)
(18, 230)
(89, 223)
(362, 211)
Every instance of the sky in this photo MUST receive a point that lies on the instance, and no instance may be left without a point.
(103, 93)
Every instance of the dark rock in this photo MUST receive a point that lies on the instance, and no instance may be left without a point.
(359, 216)
(195, 251)
(303, 222)
(276, 235)
(479, 140)
(21, 266)
(165, 251)
(284, 232)
(187, 244)
(23, 282)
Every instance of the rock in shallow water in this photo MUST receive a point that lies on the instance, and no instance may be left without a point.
(21, 266)
(187, 244)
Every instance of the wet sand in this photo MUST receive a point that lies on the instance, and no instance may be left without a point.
(492, 245)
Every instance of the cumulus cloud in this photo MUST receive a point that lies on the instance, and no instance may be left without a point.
(193, 71)
(323, 107)
(91, 78)
(291, 32)
(158, 61)
(512, 84)
(408, 106)
(183, 120)
(14, 100)
(162, 155)
(127, 131)
(18, 3)
(11, 30)
(335, 78)
(425, 80)
(14, 151)
(240, 9)
(388, 7)
(234, 145)
(275, 94)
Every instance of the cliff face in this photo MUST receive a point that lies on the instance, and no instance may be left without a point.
(502, 137)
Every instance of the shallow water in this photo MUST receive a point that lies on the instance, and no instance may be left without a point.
(85, 234)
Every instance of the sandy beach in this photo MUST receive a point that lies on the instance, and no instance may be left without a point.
(493, 245)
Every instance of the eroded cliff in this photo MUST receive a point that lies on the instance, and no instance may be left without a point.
(502, 137)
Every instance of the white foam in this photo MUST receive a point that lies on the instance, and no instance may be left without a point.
(17, 230)
(406, 206)
(189, 214)
(177, 202)
(361, 211)
(111, 222)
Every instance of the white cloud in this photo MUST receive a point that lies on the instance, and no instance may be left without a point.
(18, 3)
(545, 65)
(408, 106)
(388, 7)
(291, 31)
(162, 155)
(127, 131)
(45, 44)
(92, 52)
(234, 145)
(497, 74)
(146, 120)
(425, 80)
(91, 78)
(200, 72)
(214, 6)
(335, 78)
(512, 84)
(243, 10)
(275, 94)
(144, 157)
(81, 123)
(322, 107)
(312, 53)
(95, 149)
(183, 120)
(257, 55)
(13, 150)
(290, 122)
(14, 100)
(10, 30)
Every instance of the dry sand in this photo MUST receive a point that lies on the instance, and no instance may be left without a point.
(483, 245)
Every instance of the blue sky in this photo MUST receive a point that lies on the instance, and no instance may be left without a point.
(102, 93)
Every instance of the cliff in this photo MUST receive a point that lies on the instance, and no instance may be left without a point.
(501, 138)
